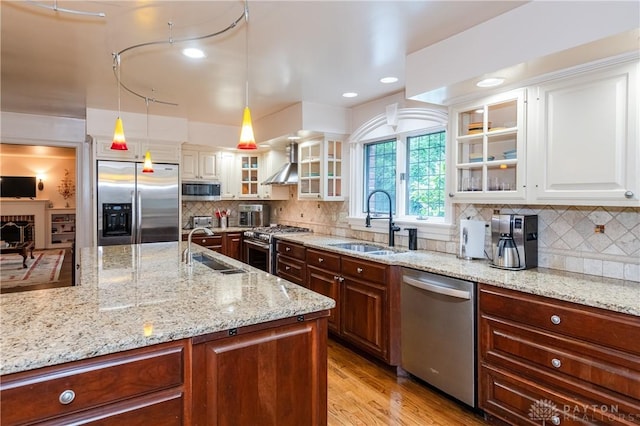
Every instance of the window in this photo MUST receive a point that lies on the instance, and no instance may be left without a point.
(380, 173)
(421, 156)
(426, 175)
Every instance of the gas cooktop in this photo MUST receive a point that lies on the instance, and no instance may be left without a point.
(265, 232)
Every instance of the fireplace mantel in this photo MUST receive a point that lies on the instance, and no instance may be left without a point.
(37, 208)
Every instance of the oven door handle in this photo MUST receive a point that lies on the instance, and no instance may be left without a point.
(264, 246)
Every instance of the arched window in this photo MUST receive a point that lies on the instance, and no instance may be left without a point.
(404, 153)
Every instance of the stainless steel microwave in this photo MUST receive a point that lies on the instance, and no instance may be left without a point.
(194, 190)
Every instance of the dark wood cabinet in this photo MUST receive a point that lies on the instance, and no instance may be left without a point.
(326, 283)
(212, 242)
(227, 243)
(290, 262)
(574, 363)
(232, 245)
(272, 376)
(367, 296)
(137, 387)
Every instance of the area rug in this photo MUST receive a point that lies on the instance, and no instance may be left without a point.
(44, 268)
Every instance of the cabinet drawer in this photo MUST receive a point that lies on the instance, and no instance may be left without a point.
(361, 269)
(602, 327)
(519, 401)
(291, 249)
(325, 260)
(33, 395)
(520, 348)
(163, 408)
(291, 269)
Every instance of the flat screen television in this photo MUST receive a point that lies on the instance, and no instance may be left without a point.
(18, 186)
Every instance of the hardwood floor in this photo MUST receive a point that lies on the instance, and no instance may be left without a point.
(365, 393)
(64, 280)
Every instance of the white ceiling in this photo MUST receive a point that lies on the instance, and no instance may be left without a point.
(55, 63)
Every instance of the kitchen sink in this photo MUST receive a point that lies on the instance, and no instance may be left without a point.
(217, 265)
(366, 248)
(384, 252)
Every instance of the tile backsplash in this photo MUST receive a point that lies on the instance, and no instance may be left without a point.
(568, 240)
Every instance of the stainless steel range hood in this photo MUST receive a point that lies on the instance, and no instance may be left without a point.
(288, 174)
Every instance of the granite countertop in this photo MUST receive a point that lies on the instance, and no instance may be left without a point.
(139, 295)
(607, 293)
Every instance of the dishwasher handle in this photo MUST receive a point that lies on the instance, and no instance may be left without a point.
(435, 288)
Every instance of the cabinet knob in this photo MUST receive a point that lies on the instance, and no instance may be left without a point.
(359, 270)
(288, 248)
(555, 419)
(451, 194)
(556, 363)
(320, 260)
(67, 397)
(286, 268)
(628, 194)
(555, 319)
(336, 278)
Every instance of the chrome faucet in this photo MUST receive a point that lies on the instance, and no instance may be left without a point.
(392, 227)
(186, 254)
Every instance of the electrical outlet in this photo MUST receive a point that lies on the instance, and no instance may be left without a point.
(599, 229)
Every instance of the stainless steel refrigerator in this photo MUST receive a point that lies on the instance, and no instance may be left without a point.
(136, 207)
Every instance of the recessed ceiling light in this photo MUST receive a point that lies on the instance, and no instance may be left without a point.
(294, 138)
(349, 94)
(192, 52)
(490, 82)
(387, 80)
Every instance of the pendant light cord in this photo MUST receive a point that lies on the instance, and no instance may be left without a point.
(246, 49)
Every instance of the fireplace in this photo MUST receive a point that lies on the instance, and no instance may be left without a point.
(17, 228)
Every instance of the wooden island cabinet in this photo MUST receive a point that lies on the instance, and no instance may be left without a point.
(137, 387)
(546, 360)
(263, 376)
(273, 373)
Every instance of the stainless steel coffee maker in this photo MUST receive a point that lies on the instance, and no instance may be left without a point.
(514, 240)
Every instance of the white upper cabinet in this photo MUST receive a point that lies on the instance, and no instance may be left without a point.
(320, 169)
(489, 149)
(584, 138)
(228, 174)
(198, 165)
(161, 151)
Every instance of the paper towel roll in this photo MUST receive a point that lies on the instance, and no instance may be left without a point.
(472, 234)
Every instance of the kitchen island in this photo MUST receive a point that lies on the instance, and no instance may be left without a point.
(140, 302)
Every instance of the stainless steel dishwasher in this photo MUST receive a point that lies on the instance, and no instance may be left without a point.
(438, 332)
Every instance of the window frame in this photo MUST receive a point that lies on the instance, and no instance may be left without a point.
(433, 228)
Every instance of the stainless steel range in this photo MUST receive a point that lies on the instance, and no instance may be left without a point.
(260, 245)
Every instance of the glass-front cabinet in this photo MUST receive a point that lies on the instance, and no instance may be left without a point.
(320, 169)
(489, 149)
(249, 184)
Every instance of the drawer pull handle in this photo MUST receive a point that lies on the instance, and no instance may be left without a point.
(320, 260)
(556, 363)
(288, 248)
(555, 420)
(555, 319)
(359, 270)
(286, 268)
(67, 397)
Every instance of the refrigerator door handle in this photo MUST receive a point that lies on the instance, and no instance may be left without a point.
(139, 219)
(134, 225)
